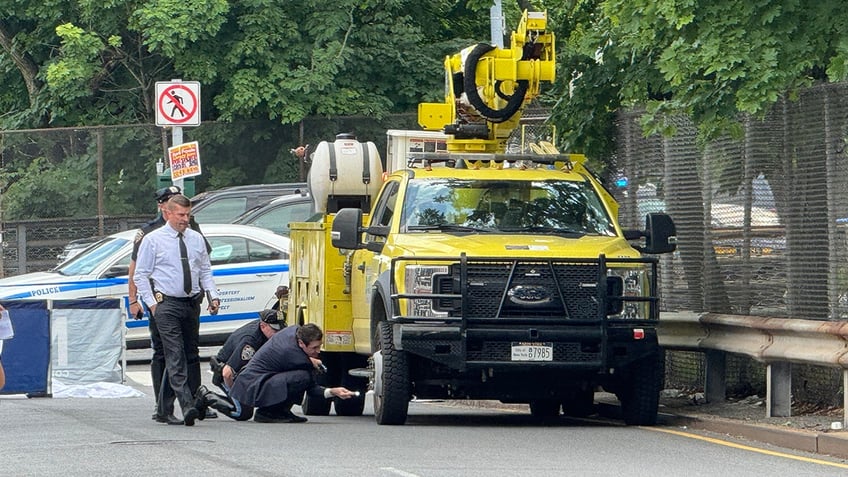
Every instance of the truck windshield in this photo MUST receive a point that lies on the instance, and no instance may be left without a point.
(555, 207)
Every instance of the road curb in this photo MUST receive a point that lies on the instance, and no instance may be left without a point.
(833, 444)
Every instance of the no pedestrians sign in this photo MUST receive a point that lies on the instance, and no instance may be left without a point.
(177, 103)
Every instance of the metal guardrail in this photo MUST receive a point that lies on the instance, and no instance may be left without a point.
(777, 342)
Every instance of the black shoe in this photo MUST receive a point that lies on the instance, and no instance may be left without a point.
(190, 416)
(200, 404)
(281, 419)
(294, 418)
(170, 419)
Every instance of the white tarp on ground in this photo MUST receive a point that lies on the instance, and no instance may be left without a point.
(94, 390)
(86, 341)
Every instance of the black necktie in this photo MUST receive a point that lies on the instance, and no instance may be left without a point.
(184, 263)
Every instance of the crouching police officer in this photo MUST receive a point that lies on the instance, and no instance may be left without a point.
(237, 351)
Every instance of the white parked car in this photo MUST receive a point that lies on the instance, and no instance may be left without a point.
(248, 264)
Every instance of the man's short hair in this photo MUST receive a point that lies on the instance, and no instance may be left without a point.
(309, 332)
(180, 200)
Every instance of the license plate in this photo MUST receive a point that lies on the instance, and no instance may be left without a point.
(532, 352)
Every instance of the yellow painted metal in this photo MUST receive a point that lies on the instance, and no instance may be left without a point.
(496, 75)
(317, 284)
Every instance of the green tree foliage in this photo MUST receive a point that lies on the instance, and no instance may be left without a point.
(261, 63)
(710, 60)
(97, 62)
(47, 189)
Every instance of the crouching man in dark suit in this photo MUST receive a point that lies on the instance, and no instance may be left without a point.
(280, 372)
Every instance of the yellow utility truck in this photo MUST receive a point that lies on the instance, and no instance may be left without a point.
(466, 272)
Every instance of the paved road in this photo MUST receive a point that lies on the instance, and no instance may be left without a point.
(69, 437)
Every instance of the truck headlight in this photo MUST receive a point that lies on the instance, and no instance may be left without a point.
(418, 280)
(628, 283)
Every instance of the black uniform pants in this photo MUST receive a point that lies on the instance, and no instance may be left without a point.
(160, 377)
(178, 322)
(158, 374)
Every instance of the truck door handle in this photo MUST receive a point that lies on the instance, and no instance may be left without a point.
(361, 267)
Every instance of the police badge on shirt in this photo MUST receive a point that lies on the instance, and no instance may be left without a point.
(247, 353)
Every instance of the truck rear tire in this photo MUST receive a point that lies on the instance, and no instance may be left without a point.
(544, 409)
(640, 397)
(579, 404)
(349, 407)
(316, 406)
(391, 379)
(355, 405)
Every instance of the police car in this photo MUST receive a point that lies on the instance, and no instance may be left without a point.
(248, 263)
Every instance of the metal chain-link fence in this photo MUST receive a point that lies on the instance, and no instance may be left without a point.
(761, 223)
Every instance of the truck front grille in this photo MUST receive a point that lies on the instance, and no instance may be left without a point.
(525, 290)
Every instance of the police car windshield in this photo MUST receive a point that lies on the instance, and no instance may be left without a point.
(570, 208)
(85, 262)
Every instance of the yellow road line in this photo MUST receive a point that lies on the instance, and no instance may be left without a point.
(747, 448)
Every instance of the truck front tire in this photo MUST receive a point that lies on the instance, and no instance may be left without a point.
(640, 396)
(391, 379)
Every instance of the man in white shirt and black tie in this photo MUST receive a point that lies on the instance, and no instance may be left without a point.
(172, 272)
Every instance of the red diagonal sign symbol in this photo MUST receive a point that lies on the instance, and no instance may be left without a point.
(171, 97)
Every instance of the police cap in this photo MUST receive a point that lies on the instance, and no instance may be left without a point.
(165, 193)
(273, 318)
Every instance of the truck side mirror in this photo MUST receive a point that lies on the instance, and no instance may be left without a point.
(660, 234)
(346, 229)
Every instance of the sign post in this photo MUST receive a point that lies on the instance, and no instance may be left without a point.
(177, 105)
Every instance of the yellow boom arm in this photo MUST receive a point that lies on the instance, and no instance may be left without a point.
(487, 87)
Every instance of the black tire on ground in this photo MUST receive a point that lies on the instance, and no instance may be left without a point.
(313, 406)
(391, 380)
(350, 407)
(579, 404)
(353, 406)
(640, 398)
(316, 406)
(544, 408)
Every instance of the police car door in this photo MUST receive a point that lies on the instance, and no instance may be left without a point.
(246, 273)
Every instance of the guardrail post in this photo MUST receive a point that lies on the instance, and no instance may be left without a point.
(715, 387)
(779, 389)
(845, 398)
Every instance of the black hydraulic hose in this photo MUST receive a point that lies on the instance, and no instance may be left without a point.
(470, 85)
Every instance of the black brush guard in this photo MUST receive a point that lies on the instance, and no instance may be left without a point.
(493, 303)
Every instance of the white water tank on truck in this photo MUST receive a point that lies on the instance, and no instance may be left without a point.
(345, 173)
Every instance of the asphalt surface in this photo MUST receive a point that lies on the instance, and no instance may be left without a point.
(745, 419)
